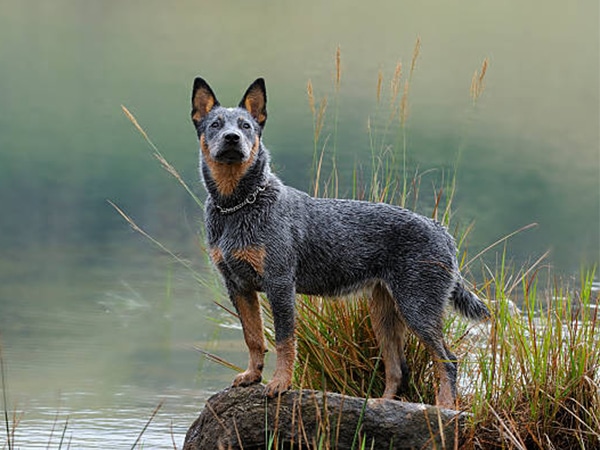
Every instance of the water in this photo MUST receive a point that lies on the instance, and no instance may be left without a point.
(115, 426)
(101, 342)
(98, 326)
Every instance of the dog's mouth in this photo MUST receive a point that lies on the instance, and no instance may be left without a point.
(229, 155)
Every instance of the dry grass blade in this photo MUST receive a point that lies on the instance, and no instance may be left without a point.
(157, 243)
(508, 431)
(338, 68)
(158, 155)
(379, 84)
(581, 422)
(484, 67)
(311, 98)
(150, 419)
(518, 281)
(64, 431)
(319, 166)
(404, 104)
(498, 242)
(168, 167)
(217, 359)
(172, 435)
(415, 56)
(137, 125)
(395, 89)
(5, 401)
(320, 119)
(473, 89)
(54, 423)
(478, 81)
(227, 310)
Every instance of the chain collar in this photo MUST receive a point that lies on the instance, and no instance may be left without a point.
(248, 201)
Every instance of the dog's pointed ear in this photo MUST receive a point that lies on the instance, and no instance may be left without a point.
(203, 100)
(255, 101)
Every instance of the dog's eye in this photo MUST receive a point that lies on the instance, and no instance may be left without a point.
(215, 124)
(246, 126)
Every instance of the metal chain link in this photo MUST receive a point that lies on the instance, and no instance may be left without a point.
(248, 201)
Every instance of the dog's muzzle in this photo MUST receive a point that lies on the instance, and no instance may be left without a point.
(231, 149)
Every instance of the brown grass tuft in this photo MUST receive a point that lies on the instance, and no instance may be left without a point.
(478, 81)
(320, 118)
(395, 83)
(415, 56)
(404, 104)
(311, 97)
(379, 83)
(338, 68)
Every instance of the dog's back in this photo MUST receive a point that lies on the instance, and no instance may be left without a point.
(339, 246)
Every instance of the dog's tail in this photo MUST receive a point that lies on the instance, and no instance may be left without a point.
(467, 303)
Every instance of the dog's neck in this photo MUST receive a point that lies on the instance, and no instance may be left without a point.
(245, 190)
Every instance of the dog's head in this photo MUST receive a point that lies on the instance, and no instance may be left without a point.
(230, 145)
(229, 135)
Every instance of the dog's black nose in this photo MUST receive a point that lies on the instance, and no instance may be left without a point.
(232, 138)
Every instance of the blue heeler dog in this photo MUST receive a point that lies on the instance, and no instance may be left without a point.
(266, 237)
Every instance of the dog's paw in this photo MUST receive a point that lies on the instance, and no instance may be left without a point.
(247, 378)
(277, 386)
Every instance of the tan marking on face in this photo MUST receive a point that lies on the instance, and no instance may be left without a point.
(227, 176)
(254, 255)
(216, 255)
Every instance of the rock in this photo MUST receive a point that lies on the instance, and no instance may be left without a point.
(243, 418)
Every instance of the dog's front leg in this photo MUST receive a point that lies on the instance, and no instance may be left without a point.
(248, 308)
(282, 298)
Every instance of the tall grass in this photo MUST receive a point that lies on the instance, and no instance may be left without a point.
(538, 378)
(530, 379)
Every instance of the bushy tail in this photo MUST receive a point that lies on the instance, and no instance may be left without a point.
(467, 303)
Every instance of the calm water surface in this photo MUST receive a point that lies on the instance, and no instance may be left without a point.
(99, 337)
(97, 326)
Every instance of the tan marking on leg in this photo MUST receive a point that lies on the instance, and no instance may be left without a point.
(248, 308)
(284, 368)
(254, 255)
(445, 399)
(390, 333)
(216, 255)
(227, 176)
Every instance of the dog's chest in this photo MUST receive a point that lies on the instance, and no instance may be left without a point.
(238, 253)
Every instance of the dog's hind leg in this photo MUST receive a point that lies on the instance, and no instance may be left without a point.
(390, 332)
(424, 317)
(248, 308)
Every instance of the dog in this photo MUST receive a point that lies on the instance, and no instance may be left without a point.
(266, 237)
